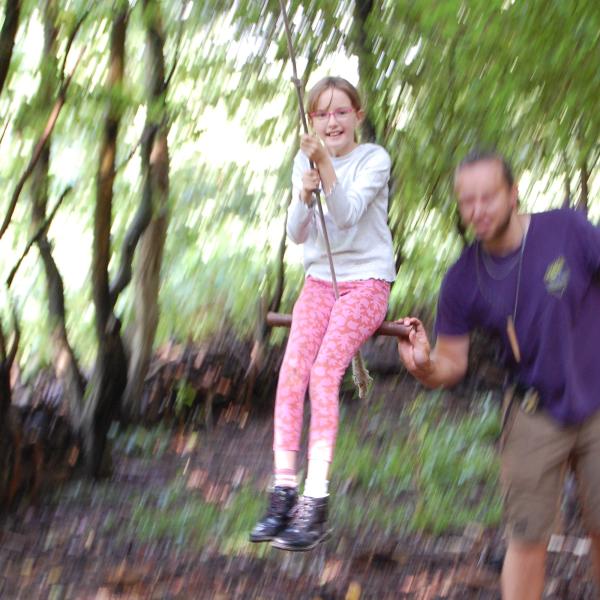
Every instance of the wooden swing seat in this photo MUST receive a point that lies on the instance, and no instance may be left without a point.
(387, 327)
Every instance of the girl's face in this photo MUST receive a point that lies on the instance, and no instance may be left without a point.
(335, 121)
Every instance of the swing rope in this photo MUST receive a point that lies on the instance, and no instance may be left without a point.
(360, 375)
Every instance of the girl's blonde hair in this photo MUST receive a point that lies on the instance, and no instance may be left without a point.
(333, 83)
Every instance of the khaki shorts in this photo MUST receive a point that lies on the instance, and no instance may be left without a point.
(536, 453)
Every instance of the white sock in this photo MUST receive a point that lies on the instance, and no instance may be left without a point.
(317, 481)
(316, 488)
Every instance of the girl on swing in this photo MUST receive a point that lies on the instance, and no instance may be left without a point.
(326, 333)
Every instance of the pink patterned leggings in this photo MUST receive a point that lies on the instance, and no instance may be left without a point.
(324, 337)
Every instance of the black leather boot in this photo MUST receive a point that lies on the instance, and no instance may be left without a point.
(307, 527)
(281, 502)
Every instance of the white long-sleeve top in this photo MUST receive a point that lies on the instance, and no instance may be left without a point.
(355, 217)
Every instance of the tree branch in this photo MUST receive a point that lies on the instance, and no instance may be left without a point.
(37, 152)
(12, 353)
(142, 218)
(2, 344)
(6, 122)
(594, 163)
(70, 43)
(38, 234)
(157, 87)
(177, 46)
(8, 357)
(148, 131)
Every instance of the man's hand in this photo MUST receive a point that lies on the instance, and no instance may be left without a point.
(444, 366)
(415, 351)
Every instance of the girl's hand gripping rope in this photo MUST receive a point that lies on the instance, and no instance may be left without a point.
(314, 149)
(310, 186)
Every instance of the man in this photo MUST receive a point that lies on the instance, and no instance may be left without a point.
(532, 281)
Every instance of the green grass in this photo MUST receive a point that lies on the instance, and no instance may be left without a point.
(238, 518)
(429, 471)
(190, 523)
(184, 517)
(173, 513)
(138, 441)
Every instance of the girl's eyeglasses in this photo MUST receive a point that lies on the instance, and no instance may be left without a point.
(340, 114)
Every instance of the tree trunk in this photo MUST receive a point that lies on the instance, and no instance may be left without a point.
(7, 442)
(5, 392)
(105, 180)
(104, 398)
(567, 180)
(64, 360)
(155, 165)
(9, 426)
(8, 34)
(110, 370)
(584, 178)
(366, 63)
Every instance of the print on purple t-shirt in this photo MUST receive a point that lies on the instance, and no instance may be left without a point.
(558, 309)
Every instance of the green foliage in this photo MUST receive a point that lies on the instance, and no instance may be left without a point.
(185, 397)
(183, 516)
(174, 513)
(140, 442)
(457, 470)
(238, 517)
(430, 471)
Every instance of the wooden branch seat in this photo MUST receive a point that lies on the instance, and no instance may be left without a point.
(387, 327)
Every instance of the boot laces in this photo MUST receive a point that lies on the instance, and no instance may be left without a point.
(302, 513)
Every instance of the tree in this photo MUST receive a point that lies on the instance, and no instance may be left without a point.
(152, 213)
(65, 362)
(104, 393)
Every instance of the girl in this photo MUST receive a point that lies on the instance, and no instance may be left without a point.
(326, 333)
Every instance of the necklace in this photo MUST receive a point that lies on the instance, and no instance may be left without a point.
(498, 276)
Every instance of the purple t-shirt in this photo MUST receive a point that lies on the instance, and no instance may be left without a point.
(558, 309)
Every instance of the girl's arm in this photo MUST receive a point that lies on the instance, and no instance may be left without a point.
(298, 223)
(300, 213)
(347, 204)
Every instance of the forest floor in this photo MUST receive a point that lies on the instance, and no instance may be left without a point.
(172, 521)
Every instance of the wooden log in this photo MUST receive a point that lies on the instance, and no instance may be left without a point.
(387, 327)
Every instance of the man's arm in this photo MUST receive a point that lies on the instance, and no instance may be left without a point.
(444, 366)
